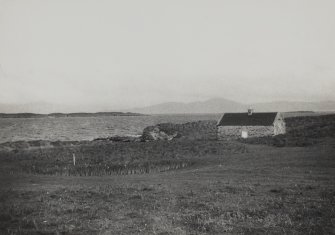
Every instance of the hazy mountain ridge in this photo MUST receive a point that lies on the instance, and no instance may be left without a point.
(216, 105)
(220, 105)
(209, 106)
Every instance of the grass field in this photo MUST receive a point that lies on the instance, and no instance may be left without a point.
(300, 131)
(224, 187)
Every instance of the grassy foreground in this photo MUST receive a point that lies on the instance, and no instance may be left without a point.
(227, 187)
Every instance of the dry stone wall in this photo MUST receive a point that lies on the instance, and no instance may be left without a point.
(201, 130)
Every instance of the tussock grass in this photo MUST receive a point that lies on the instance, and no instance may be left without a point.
(301, 131)
(132, 208)
(229, 187)
(110, 158)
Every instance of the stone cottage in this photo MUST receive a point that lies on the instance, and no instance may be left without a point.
(250, 124)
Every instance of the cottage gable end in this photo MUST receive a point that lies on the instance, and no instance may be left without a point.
(279, 124)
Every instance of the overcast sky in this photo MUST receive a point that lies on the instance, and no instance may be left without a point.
(131, 53)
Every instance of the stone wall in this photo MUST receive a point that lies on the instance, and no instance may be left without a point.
(234, 132)
(200, 130)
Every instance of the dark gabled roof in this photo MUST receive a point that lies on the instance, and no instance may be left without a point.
(243, 119)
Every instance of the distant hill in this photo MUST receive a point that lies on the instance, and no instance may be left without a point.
(209, 106)
(220, 105)
(217, 105)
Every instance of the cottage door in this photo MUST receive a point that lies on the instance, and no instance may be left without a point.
(244, 134)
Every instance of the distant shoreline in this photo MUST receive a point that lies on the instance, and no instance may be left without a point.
(60, 115)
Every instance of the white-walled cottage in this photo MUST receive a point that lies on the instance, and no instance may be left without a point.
(250, 124)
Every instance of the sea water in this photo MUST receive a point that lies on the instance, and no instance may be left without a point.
(86, 128)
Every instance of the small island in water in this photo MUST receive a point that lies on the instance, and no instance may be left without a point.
(57, 115)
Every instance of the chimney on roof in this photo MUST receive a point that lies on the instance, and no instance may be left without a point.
(250, 111)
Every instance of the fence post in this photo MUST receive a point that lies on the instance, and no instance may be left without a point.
(74, 159)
